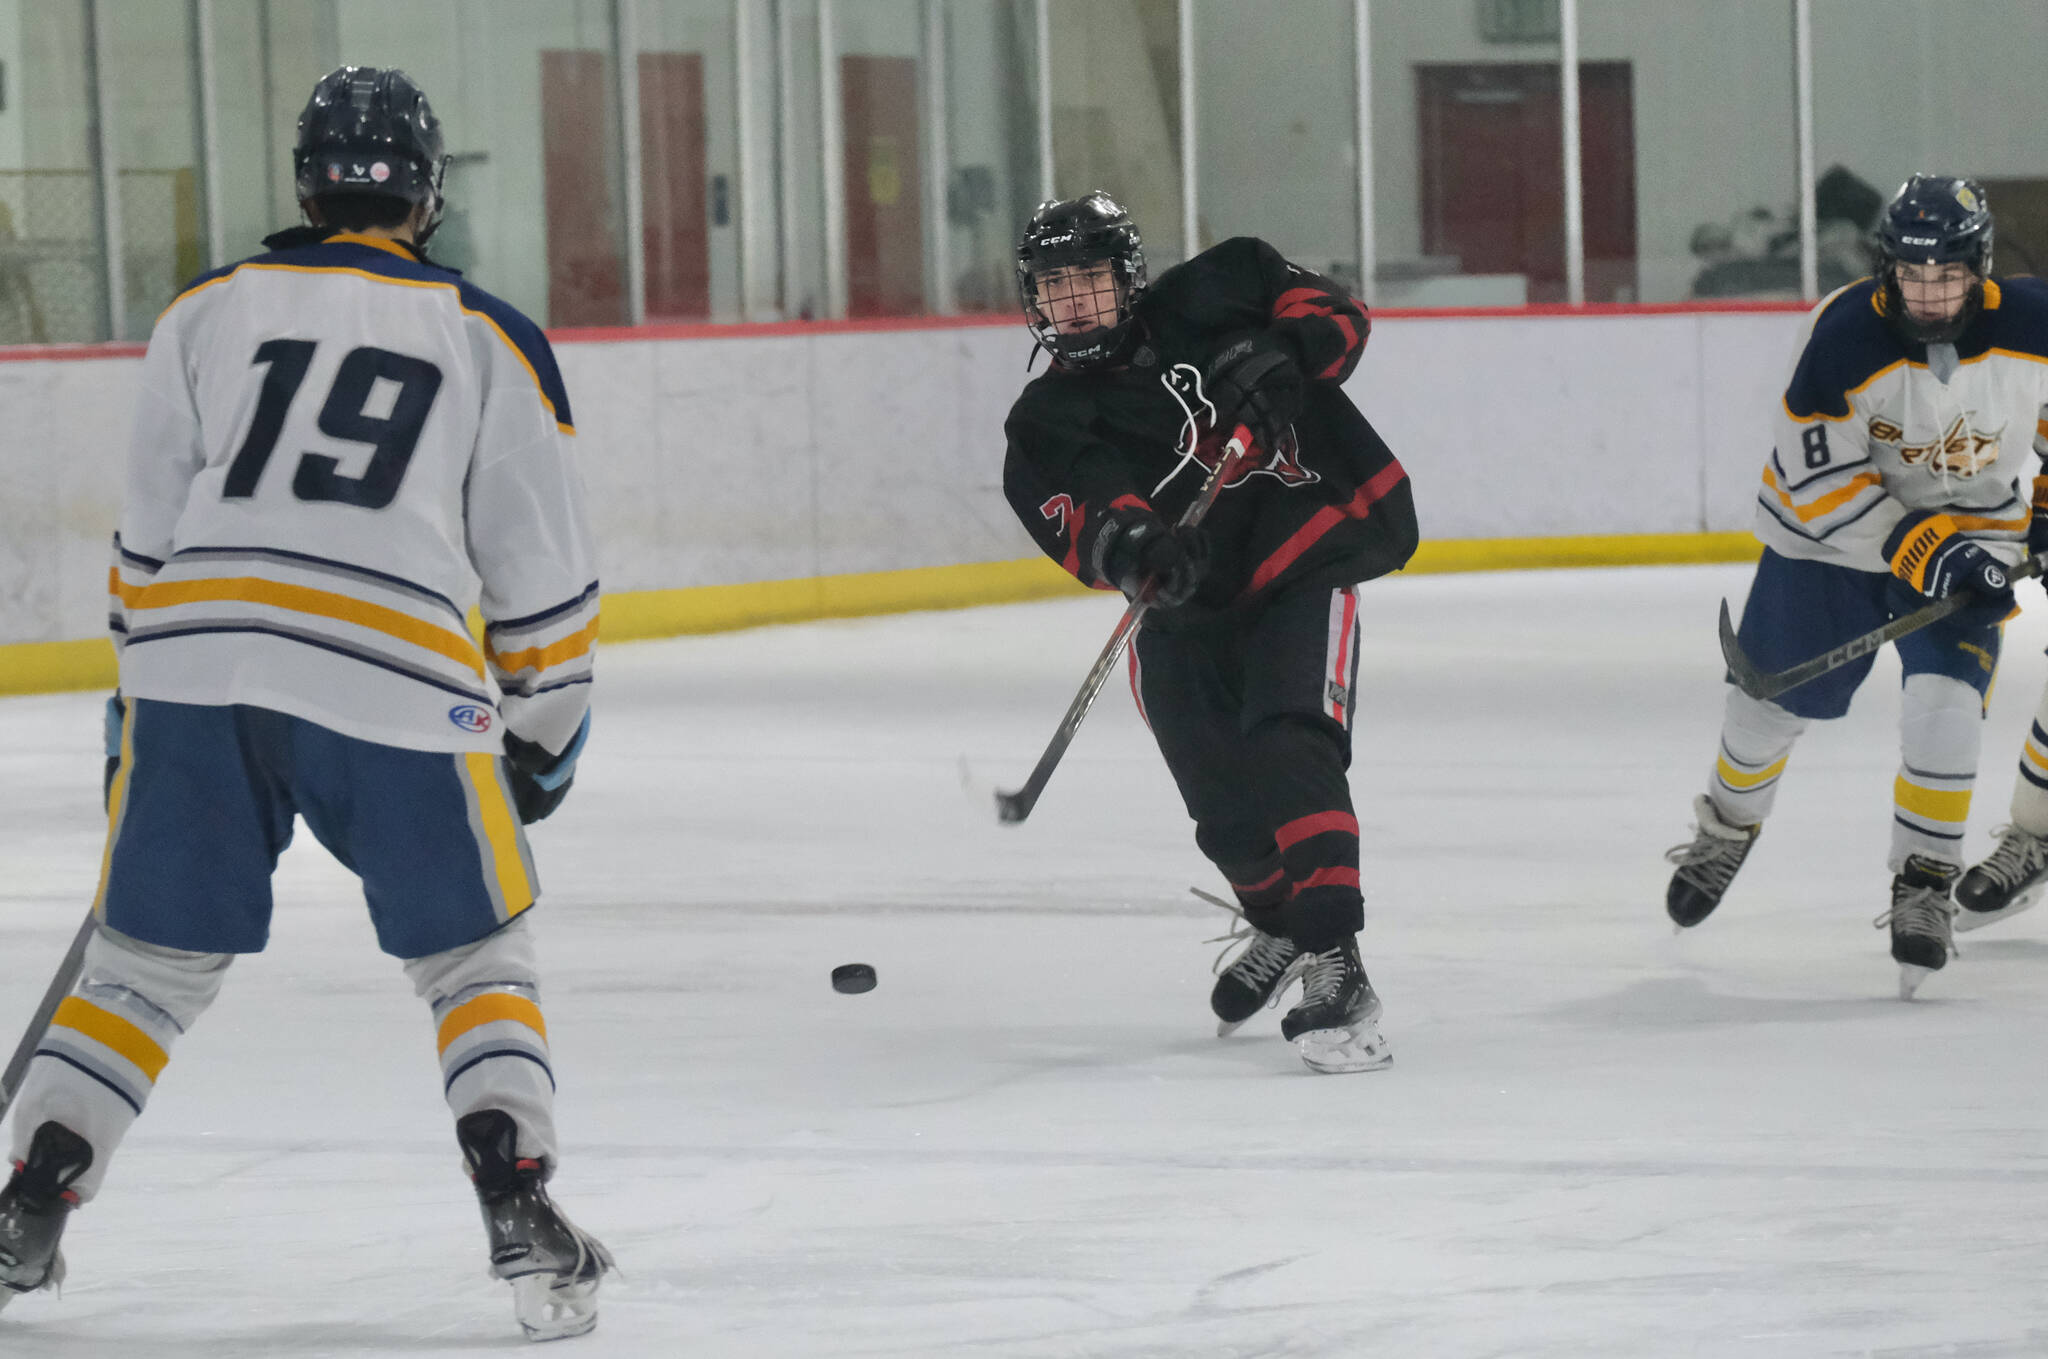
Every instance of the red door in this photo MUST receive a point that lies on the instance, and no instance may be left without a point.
(1493, 173)
(884, 219)
(672, 180)
(586, 276)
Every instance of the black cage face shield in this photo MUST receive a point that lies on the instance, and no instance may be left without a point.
(1934, 243)
(1080, 270)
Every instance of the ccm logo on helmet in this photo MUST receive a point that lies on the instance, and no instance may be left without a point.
(469, 717)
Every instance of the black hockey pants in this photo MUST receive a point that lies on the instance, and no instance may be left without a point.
(1253, 715)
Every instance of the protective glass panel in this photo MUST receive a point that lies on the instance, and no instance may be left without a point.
(1276, 130)
(527, 95)
(1116, 112)
(1690, 131)
(689, 159)
(1952, 99)
(879, 63)
(991, 145)
(52, 257)
(267, 56)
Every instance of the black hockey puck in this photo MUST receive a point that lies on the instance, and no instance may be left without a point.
(853, 978)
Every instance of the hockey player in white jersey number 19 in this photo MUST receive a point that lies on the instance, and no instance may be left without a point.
(340, 449)
(1894, 481)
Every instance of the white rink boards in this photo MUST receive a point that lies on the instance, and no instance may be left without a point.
(1596, 1139)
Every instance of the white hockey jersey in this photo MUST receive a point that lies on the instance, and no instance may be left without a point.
(1872, 428)
(340, 450)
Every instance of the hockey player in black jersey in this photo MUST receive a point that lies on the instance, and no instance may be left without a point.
(1246, 667)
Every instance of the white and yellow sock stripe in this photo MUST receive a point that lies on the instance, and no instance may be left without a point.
(1745, 789)
(482, 1025)
(1933, 808)
(120, 1046)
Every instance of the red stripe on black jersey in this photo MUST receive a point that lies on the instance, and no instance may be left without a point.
(1321, 522)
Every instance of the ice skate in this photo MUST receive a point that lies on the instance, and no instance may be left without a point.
(1336, 1026)
(1921, 917)
(33, 1208)
(1257, 977)
(2006, 883)
(554, 1266)
(1706, 865)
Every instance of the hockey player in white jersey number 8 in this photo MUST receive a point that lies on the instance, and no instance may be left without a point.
(1909, 414)
(340, 449)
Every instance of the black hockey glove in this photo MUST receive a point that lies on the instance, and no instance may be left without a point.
(1254, 381)
(1929, 553)
(1135, 546)
(540, 780)
(111, 731)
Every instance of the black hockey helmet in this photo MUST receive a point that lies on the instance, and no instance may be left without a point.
(1934, 219)
(370, 130)
(1079, 232)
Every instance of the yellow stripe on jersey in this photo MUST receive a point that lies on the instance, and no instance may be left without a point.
(2034, 755)
(541, 657)
(490, 1009)
(1736, 778)
(496, 329)
(111, 1031)
(1977, 523)
(1931, 804)
(166, 594)
(1827, 504)
(501, 829)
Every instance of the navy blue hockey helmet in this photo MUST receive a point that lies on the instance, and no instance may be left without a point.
(370, 130)
(1078, 233)
(1934, 219)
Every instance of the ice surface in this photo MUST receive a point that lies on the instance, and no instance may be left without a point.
(1596, 1139)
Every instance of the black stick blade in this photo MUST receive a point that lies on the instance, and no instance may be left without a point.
(1012, 808)
(1741, 669)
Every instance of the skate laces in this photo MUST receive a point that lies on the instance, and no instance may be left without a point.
(2019, 856)
(1709, 860)
(1263, 957)
(1323, 980)
(1919, 910)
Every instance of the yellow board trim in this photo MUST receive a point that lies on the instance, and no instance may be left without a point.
(490, 1009)
(48, 667)
(109, 1030)
(501, 828)
(1931, 804)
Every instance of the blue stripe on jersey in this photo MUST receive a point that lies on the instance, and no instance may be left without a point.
(1849, 344)
(524, 336)
(322, 643)
(150, 563)
(507, 624)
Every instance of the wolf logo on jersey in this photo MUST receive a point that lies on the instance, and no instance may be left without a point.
(1960, 451)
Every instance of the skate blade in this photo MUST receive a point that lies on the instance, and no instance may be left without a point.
(550, 1311)
(1335, 1052)
(1910, 977)
(1227, 1027)
(1967, 919)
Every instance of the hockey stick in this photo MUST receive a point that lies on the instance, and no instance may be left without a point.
(1014, 807)
(60, 987)
(1759, 684)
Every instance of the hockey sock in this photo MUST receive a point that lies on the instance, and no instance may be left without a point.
(109, 1040)
(1941, 727)
(1316, 832)
(493, 1040)
(1756, 741)
(2030, 789)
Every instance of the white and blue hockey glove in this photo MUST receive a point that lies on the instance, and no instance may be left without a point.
(1931, 554)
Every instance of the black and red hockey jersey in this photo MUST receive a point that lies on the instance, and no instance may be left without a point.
(1331, 506)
